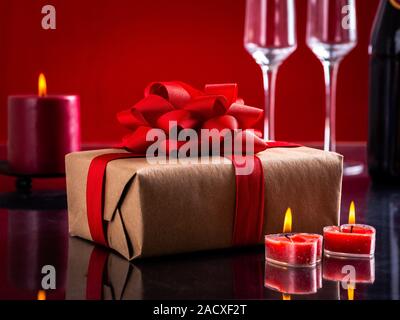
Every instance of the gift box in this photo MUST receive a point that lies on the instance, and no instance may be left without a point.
(152, 209)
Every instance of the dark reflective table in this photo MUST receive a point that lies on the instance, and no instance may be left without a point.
(34, 233)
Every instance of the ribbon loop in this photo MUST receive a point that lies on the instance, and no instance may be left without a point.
(221, 123)
(228, 90)
(183, 118)
(247, 117)
(207, 107)
(175, 92)
(137, 140)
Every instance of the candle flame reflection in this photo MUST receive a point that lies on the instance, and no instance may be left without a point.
(286, 297)
(287, 225)
(41, 295)
(350, 293)
(352, 213)
(42, 85)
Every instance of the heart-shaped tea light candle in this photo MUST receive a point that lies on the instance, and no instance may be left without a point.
(350, 240)
(293, 249)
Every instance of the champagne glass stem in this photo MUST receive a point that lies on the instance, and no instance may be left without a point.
(331, 72)
(269, 77)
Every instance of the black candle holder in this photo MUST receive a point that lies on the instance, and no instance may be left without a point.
(24, 197)
(23, 182)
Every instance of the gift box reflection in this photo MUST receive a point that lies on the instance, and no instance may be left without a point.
(296, 281)
(95, 273)
(36, 238)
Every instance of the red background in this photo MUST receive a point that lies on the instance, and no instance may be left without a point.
(107, 51)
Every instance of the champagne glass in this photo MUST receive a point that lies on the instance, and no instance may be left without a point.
(331, 35)
(270, 37)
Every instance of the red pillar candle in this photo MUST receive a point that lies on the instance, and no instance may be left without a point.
(293, 249)
(41, 131)
(350, 240)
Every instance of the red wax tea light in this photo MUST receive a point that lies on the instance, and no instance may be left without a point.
(292, 281)
(42, 129)
(293, 249)
(350, 240)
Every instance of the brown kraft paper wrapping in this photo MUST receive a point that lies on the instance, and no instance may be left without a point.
(155, 210)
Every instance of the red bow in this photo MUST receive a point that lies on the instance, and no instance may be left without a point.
(218, 107)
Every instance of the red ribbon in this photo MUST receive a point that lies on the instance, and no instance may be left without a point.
(96, 273)
(249, 215)
(95, 194)
(218, 107)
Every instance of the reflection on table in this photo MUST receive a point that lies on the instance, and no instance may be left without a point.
(34, 232)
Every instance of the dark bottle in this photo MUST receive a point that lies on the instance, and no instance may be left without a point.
(384, 108)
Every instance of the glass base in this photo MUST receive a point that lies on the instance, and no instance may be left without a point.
(353, 168)
(348, 255)
(288, 265)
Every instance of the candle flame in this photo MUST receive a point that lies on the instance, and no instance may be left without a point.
(350, 293)
(41, 295)
(286, 297)
(395, 4)
(352, 213)
(287, 225)
(42, 85)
